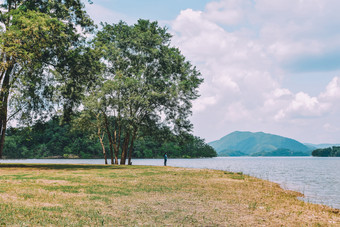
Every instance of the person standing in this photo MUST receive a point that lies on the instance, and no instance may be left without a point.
(165, 158)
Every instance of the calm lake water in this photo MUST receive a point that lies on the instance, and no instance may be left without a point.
(317, 178)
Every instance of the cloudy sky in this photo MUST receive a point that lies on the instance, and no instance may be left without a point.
(271, 66)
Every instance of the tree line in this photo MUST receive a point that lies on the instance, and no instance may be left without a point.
(52, 140)
(117, 86)
(327, 152)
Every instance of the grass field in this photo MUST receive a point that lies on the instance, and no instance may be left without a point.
(96, 195)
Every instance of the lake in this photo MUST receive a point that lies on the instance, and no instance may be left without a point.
(317, 178)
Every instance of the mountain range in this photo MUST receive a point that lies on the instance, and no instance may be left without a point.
(322, 145)
(260, 144)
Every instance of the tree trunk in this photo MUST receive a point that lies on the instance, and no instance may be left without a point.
(116, 137)
(110, 138)
(119, 138)
(125, 148)
(4, 93)
(131, 145)
(3, 125)
(103, 147)
(119, 124)
(115, 148)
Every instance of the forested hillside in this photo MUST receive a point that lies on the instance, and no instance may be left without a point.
(258, 144)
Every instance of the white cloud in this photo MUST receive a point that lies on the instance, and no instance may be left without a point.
(227, 12)
(332, 90)
(203, 103)
(236, 112)
(245, 49)
(280, 92)
(102, 14)
(302, 106)
(331, 128)
(303, 102)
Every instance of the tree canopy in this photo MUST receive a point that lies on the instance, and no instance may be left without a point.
(117, 86)
(36, 39)
(145, 80)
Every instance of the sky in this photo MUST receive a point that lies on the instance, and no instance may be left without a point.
(271, 66)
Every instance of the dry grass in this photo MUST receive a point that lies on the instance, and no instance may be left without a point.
(76, 195)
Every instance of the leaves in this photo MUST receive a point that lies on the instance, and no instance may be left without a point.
(44, 54)
(154, 78)
(35, 40)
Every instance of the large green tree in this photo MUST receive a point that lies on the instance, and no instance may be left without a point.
(37, 40)
(146, 80)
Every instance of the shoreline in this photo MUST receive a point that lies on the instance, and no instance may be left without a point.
(149, 195)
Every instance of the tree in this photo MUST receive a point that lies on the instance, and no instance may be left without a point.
(92, 120)
(146, 80)
(194, 146)
(35, 39)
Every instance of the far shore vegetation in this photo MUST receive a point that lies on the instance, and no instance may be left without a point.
(111, 195)
(327, 152)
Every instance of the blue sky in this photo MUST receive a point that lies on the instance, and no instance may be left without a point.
(151, 9)
(131, 10)
(271, 66)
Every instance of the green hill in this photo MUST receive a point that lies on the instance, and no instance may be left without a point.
(258, 144)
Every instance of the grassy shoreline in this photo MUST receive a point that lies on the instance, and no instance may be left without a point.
(95, 195)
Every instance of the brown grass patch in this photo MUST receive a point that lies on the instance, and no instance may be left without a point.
(45, 181)
(151, 196)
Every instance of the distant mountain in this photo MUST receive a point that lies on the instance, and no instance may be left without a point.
(323, 145)
(258, 144)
